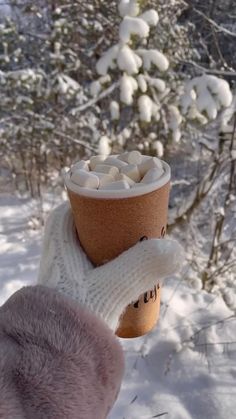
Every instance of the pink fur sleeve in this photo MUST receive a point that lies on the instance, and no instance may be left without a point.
(57, 360)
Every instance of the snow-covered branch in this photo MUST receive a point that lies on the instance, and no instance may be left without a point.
(144, 78)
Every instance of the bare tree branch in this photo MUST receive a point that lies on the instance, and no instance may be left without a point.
(213, 23)
(92, 102)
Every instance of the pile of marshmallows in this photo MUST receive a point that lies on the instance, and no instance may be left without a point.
(124, 171)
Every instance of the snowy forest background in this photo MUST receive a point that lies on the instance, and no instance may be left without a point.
(57, 105)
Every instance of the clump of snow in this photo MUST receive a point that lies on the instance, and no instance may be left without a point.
(205, 94)
(152, 136)
(174, 122)
(229, 296)
(147, 109)
(128, 86)
(104, 147)
(96, 86)
(128, 61)
(153, 57)
(66, 84)
(159, 84)
(220, 88)
(196, 283)
(126, 133)
(193, 113)
(151, 17)
(142, 84)
(115, 110)
(128, 8)
(233, 154)
(133, 26)
(227, 115)
(158, 148)
(107, 60)
(97, 26)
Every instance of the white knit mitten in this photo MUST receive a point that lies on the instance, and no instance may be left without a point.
(109, 289)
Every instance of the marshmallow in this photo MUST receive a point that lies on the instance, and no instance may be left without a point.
(82, 164)
(85, 179)
(95, 160)
(131, 170)
(104, 179)
(132, 157)
(121, 176)
(105, 168)
(152, 175)
(114, 161)
(149, 163)
(120, 184)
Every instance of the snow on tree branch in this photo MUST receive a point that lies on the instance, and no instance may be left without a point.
(204, 96)
(144, 74)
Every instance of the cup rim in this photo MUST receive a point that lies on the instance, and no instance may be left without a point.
(117, 194)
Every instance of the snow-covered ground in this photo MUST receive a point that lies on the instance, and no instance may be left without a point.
(186, 368)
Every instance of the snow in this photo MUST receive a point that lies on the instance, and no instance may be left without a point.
(104, 146)
(154, 57)
(206, 94)
(66, 84)
(107, 60)
(227, 117)
(205, 102)
(142, 84)
(128, 61)
(145, 105)
(159, 84)
(95, 88)
(174, 122)
(115, 110)
(158, 147)
(147, 109)
(179, 370)
(233, 154)
(123, 57)
(128, 86)
(133, 26)
(128, 8)
(220, 88)
(176, 135)
(184, 369)
(150, 16)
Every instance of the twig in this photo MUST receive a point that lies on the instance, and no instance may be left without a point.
(214, 252)
(209, 70)
(215, 343)
(202, 191)
(92, 102)
(191, 339)
(74, 140)
(218, 48)
(183, 276)
(213, 23)
(222, 270)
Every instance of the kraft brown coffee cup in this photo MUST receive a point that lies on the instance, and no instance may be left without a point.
(110, 222)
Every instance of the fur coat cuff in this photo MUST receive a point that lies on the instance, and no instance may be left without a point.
(57, 359)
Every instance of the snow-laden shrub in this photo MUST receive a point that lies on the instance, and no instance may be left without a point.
(147, 82)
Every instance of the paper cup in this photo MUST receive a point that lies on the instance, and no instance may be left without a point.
(110, 222)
